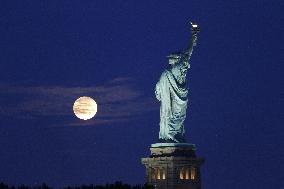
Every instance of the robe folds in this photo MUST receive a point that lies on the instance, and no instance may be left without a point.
(173, 98)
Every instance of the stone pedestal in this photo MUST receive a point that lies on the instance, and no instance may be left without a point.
(173, 166)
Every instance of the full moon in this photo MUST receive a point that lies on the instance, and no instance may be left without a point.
(85, 108)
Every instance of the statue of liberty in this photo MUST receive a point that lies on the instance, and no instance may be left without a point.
(172, 92)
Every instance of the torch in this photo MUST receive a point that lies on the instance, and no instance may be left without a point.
(194, 30)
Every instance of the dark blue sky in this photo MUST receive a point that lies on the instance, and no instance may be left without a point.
(52, 52)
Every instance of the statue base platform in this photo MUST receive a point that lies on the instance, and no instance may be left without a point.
(173, 166)
(156, 145)
(173, 149)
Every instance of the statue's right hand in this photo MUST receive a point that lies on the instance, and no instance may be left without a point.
(194, 39)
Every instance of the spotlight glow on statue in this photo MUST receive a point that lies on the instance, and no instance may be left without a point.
(85, 108)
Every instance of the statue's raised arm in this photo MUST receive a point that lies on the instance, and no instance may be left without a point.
(192, 43)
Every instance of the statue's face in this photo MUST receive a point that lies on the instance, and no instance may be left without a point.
(173, 61)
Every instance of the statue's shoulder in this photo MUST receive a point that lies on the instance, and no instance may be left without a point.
(165, 75)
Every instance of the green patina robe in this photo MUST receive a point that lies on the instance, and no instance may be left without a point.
(173, 98)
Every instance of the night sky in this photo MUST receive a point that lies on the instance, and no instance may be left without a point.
(52, 52)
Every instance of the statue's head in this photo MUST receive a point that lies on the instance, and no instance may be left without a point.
(174, 58)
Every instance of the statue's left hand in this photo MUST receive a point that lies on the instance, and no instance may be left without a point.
(158, 92)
